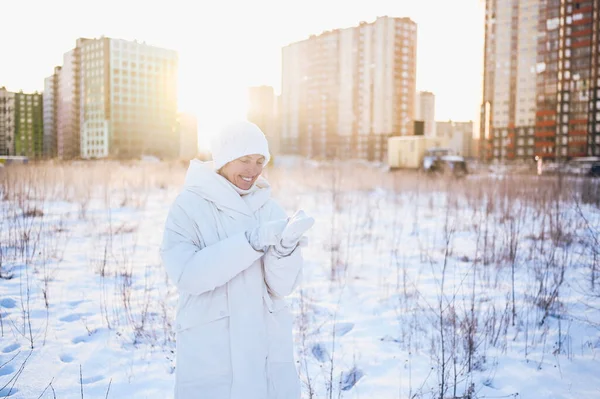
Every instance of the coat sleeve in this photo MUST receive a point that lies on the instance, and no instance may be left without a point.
(282, 274)
(196, 269)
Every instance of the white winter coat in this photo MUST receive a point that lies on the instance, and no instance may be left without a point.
(234, 330)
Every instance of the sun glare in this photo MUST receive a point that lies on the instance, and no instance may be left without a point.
(214, 96)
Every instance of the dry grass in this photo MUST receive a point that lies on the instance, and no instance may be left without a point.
(523, 226)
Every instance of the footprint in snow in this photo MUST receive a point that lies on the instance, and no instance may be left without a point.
(8, 392)
(76, 303)
(81, 338)
(71, 317)
(66, 358)
(350, 378)
(6, 370)
(342, 329)
(91, 380)
(11, 348)
(93, 334)
(8, 303)
(320, 352)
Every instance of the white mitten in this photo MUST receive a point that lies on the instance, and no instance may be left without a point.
(303, 242)
(291, 236)
(296, 226)
(265, 235)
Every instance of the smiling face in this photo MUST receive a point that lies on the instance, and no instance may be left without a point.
(244, 171)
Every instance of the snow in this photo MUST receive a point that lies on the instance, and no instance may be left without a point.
(453, 158)
(407, 286)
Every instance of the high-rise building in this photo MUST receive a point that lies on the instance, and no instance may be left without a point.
(21, 124)
(569, 104)
(117, 98)
(50, 113)
(425, 111)
(458, 136)
(262, 111)
(7, 122)
(95, 97)
(187, 130)
(29, 124)
(344, 92)
(541, 80)
(143, 86)
(68, 107)
(509, 78)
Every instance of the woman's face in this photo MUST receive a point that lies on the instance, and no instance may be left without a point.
(244, 171)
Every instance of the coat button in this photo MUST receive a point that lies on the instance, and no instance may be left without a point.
(222, 313)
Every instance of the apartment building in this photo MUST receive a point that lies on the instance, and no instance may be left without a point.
(7, 122)
(29, 124)
(458, 136)
(541, 80)
(50, 114)
(68, 107)
(345, 92)
(142, 105)
(115, 98)
(21, 123)
(425, 111)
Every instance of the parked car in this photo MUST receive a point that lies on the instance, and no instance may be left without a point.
(594, 170)
(433, 154)
(581, 166)
(454, 165)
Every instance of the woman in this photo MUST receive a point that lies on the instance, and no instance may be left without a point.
(234, 255)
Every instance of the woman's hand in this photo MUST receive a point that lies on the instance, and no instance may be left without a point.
(267, 234)
(293, 234)
(296, 226)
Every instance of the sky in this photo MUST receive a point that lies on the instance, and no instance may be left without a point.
(226, 46)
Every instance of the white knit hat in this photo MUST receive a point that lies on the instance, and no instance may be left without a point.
(236, 140)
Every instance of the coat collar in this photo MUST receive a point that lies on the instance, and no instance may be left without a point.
(203, 180)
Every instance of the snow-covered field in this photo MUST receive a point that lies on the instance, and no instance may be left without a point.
(488, 287)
